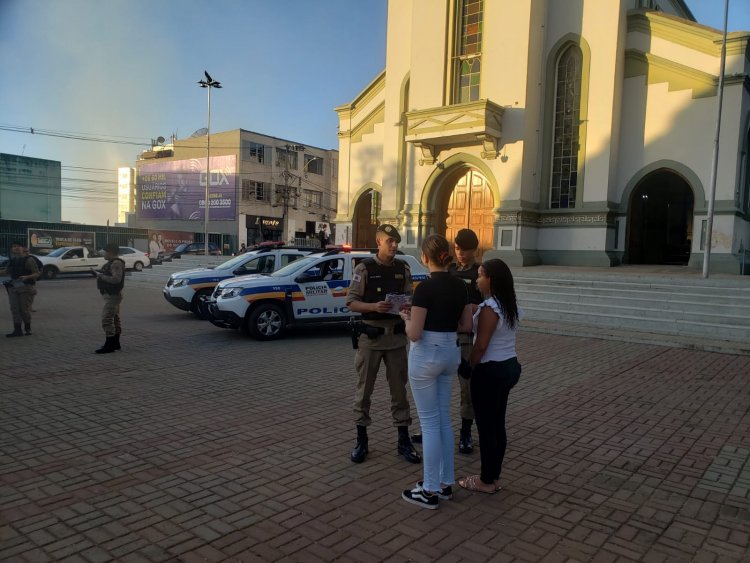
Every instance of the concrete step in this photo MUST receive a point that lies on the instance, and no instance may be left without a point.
(641, 300)
(696, 288)
(627, 320)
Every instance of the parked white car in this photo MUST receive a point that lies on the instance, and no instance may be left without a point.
(71, 260)
(134, 259)
(310, 290)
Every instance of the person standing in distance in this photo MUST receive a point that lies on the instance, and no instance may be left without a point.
(23, 273)
(109, 281)
(383, 339)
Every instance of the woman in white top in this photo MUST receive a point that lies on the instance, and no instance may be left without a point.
(495, 370)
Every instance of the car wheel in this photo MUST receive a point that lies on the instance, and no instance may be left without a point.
(199, 308)
(266, 322)
(49, 272)
(138, 266)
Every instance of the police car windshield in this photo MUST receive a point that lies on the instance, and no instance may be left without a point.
(295, 266)
(234, 262)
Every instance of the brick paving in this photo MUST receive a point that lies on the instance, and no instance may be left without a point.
(199, 444)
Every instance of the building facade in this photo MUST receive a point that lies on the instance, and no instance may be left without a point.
(125, 193)
(571, 133)
(30, 188)
(261, 188)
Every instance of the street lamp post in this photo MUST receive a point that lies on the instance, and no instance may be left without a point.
(208, 83)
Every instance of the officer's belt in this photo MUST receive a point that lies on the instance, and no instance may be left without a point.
(398, 328)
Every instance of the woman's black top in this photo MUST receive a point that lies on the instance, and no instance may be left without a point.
(444, 296)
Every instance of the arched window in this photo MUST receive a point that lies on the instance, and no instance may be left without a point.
(566, 131)
(467, 61)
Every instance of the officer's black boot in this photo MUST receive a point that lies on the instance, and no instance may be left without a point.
(359, 453)
(28, 329)
(109, 346)
(405, 447)
(16, 331)
(117, 342)
(465, 443)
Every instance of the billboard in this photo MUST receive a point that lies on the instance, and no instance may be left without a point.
(176, 189)
(44, 241)
(160, 242)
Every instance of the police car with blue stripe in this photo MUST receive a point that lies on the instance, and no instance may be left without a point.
(189, 289)
(310, 290)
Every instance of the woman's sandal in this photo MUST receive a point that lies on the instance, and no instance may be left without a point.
(470, 484)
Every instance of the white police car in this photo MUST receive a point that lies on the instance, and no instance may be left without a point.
(310, 290)
(189, 289)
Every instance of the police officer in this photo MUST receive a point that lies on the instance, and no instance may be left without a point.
(382, 338)
(467, 269)
(109, 281)
(23, 273)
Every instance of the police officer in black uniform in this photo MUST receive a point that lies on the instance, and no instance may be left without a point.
(23, 273)
(381, 336)
(109, 281)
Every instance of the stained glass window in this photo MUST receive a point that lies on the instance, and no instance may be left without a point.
(566, 134)
(467, 61)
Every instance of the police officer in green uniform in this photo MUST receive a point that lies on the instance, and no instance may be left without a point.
(467, 269)
(109, 281)
(382, 337)
(23, 273)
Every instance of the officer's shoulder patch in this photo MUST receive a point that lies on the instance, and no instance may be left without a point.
(356, 278)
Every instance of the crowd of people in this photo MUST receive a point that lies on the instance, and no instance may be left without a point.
(460, 322)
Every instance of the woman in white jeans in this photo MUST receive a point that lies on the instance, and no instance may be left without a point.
(440, 308)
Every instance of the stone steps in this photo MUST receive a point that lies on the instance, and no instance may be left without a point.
(680, 305)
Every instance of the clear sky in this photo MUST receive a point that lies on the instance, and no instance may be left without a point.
(127, 69)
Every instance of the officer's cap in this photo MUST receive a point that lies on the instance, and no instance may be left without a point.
(466, 239)
(389, 230)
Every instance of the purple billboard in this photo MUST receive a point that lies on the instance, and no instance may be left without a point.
(177, 189)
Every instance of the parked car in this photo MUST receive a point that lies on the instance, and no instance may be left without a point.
(134, 259)
(310, 290)
(191, 248)
(188, 290)
(71, 260)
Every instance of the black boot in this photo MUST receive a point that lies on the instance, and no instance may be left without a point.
(28, 329)
(405, 447)
(465, 443)
(16, 331)
(359, 453)
(109, 346)
(117, 342)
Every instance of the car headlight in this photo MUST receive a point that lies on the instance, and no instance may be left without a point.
(230, 292)
(179, 283)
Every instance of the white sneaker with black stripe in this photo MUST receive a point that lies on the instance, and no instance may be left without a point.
(421, 498)
(446, 493)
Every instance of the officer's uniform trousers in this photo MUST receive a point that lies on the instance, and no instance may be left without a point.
(391, 349)
(20, 299)
(111, 314)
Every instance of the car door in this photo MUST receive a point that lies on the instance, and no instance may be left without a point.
(127, 256)
(73, 261)
(323, 288)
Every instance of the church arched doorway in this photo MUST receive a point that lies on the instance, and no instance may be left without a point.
(468, 202)
(660, 225)
(366, 213)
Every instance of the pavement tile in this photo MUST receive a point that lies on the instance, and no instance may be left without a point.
(211, 446)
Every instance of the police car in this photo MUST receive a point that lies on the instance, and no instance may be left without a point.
(189, 289)
(310, 290)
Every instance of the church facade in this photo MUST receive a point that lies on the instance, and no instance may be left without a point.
(569, 133)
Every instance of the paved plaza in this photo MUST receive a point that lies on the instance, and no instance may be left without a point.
(200, 444)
